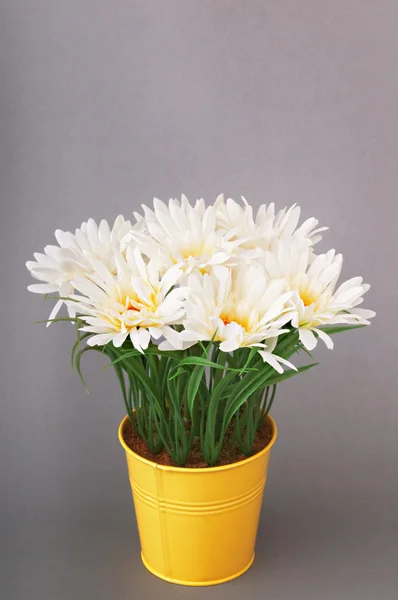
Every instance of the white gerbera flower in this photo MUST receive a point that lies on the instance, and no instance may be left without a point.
(59, 265)
(137, 302)
(185, 235)
(313, 279)
(239, 308)
(261, 231)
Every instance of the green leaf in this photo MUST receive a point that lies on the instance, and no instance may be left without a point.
(66, 298)
(164, 370)
(152, 369)
(195, 380)
(252, 353)
(173, 354)
(177, 373)
(139, 371)
(222, 359)
(123, 357)
(248, 384)
(126, 353)
(58, 320)
(78, 366)
(332, 329)
(253, 381)
(267, 407)
(289, 374)
(120, 375)
(198, 360)
(211, 452)
(287, 343)
(180, 434)
(302, 347)
(76, 345)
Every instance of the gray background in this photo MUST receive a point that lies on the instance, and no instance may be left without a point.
(104, 105)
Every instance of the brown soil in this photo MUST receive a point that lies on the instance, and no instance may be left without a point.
(229, 454)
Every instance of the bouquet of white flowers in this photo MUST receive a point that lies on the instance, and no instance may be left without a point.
(200, 311)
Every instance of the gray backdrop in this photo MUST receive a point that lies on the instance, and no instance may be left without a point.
(104, 105)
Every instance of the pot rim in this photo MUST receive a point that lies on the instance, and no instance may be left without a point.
(200, 469)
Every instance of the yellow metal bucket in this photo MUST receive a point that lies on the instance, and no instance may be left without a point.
(197, 526)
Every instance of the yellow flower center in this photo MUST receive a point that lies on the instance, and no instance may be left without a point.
(131, 307)
(194, 250)
(132, 311)
(308, 297)
(232, 317)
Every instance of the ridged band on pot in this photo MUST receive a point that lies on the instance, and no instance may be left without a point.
(198, 526)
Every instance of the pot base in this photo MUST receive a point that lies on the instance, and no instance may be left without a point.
(197, 583)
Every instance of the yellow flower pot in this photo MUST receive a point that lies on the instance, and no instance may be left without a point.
(197, 526)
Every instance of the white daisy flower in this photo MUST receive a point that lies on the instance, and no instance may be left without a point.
(313, 279)
(59, 265)
(262, 230)
(241, 308)
(183, 234)
(136, 302)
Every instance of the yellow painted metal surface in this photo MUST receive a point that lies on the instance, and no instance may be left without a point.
(197, 526)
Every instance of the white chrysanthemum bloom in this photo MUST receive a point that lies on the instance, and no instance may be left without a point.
(59, 265)
(262, 230)
(313, 279)
(179, 233)
(137, 301)
(239, 308)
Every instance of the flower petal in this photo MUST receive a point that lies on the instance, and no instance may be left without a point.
(307, 338)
